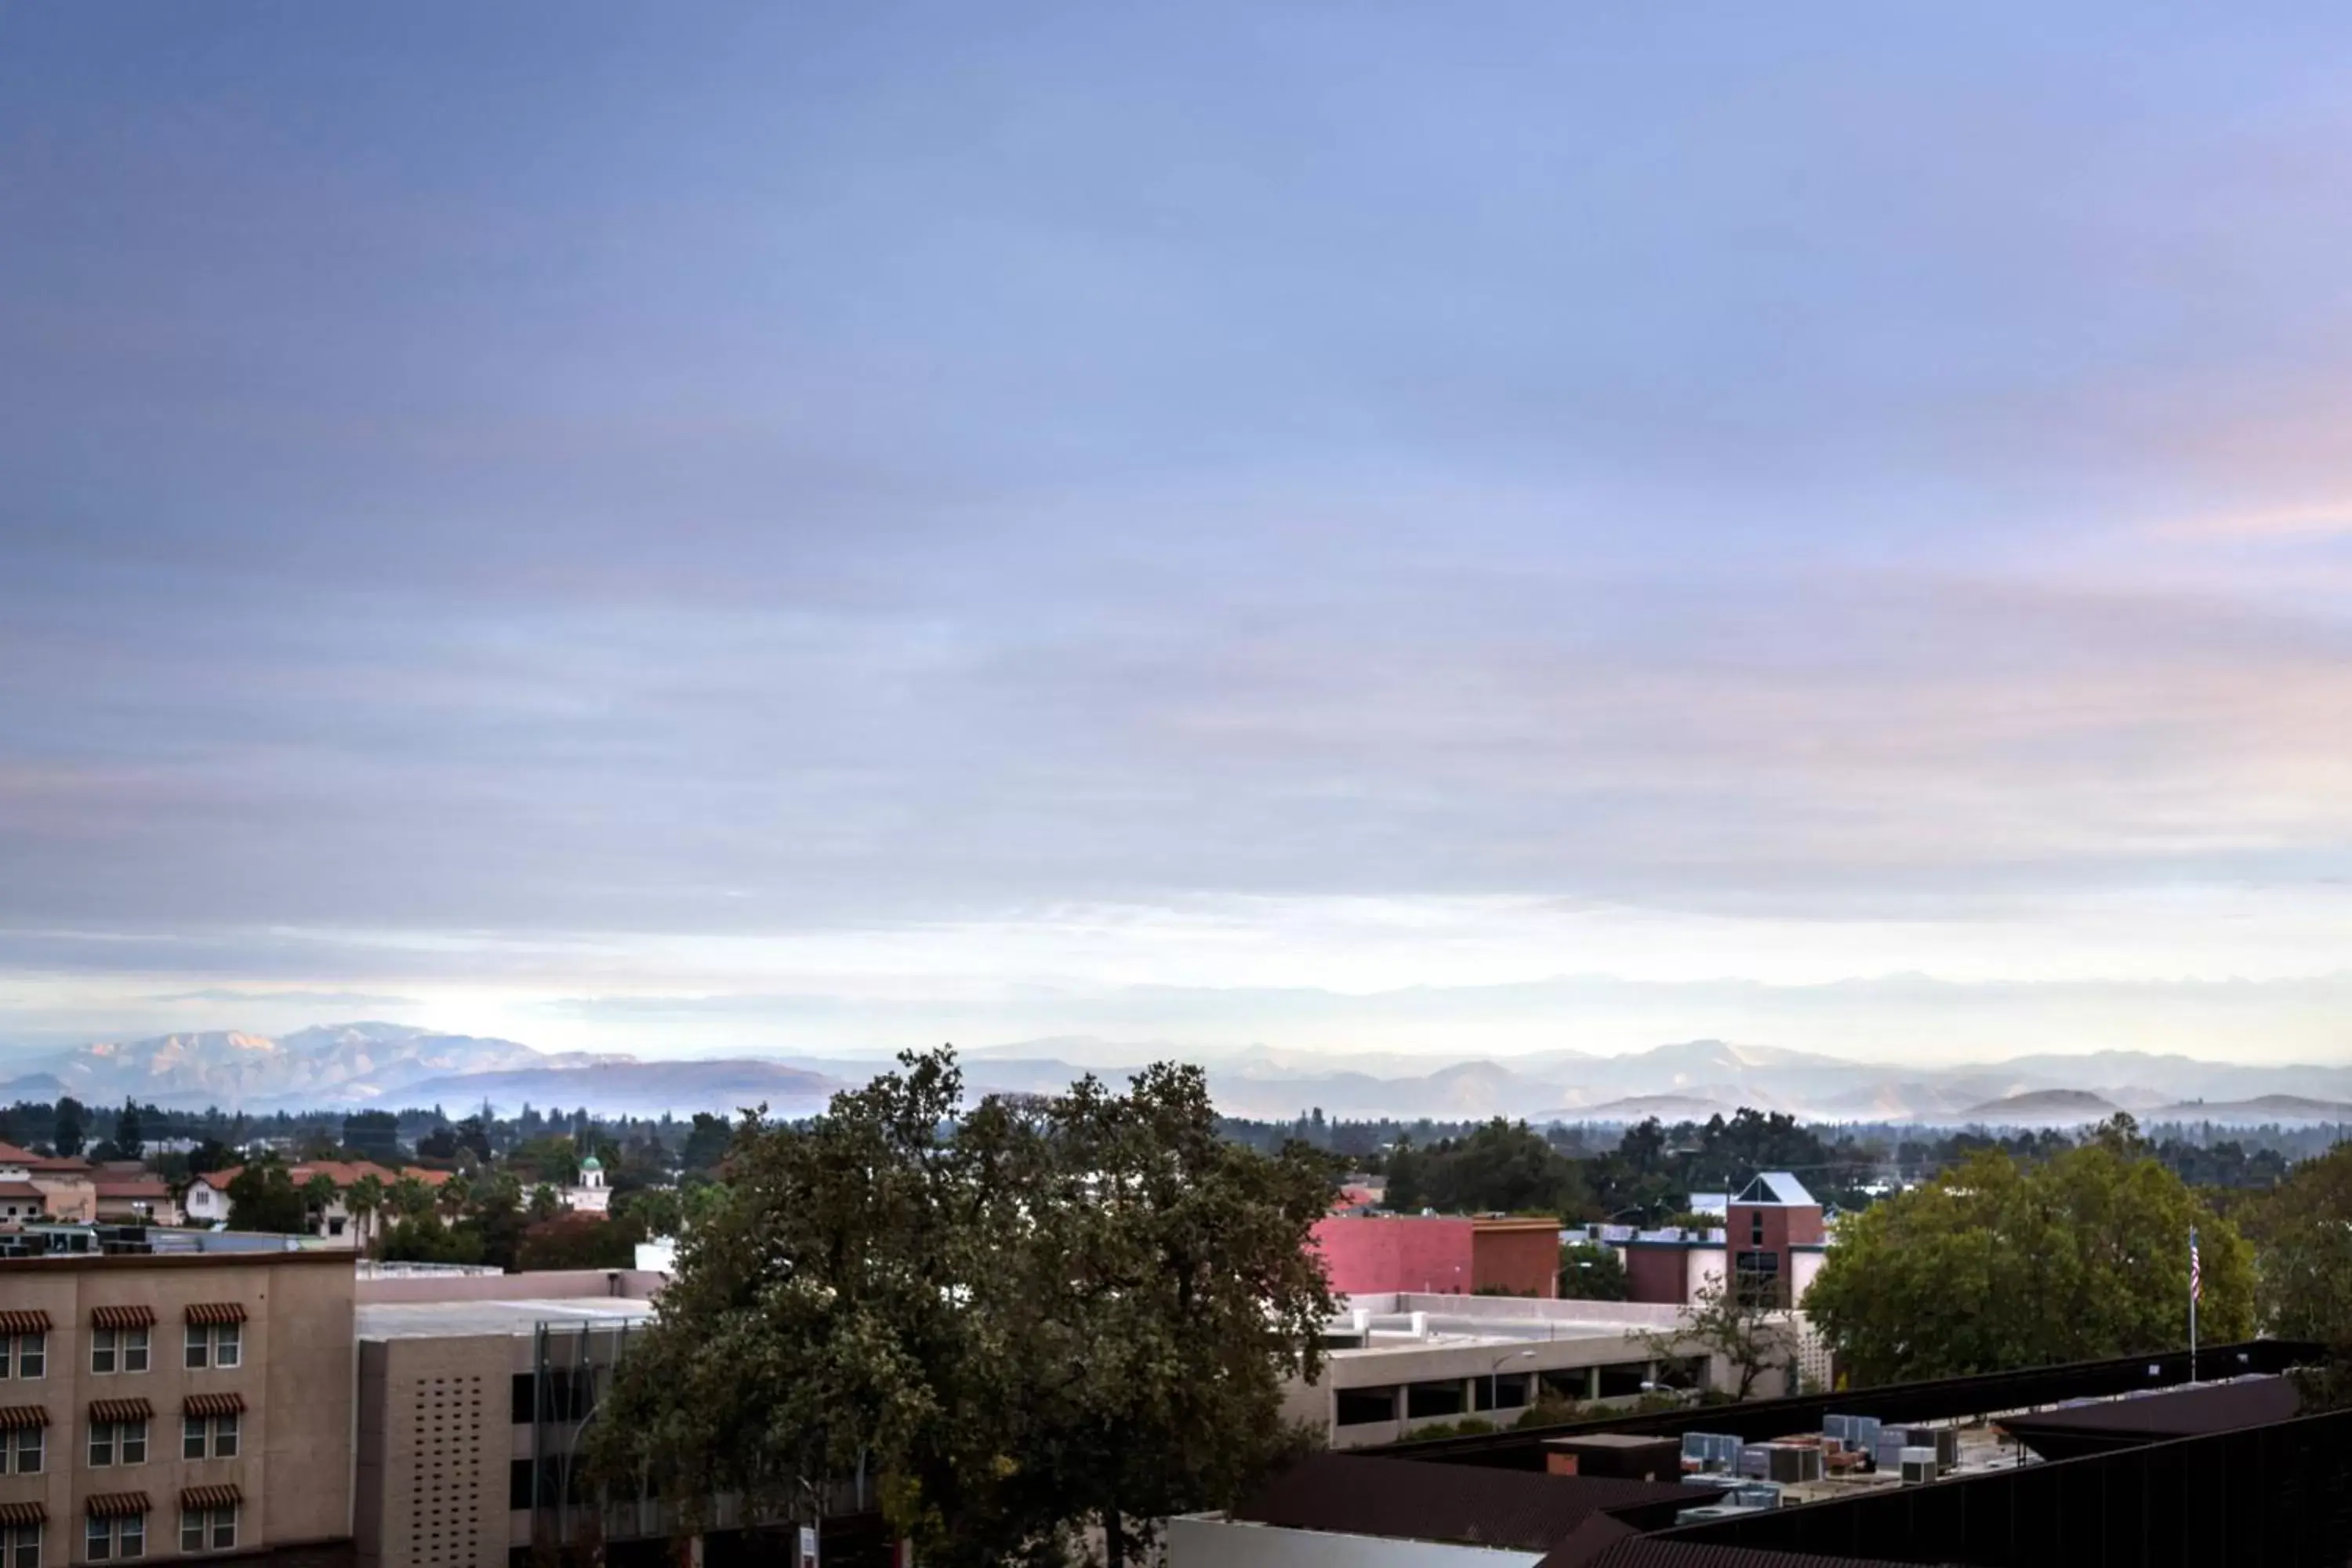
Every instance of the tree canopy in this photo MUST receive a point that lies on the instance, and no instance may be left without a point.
(1023, 1316)
(1994, 1266)
(1502, 1166)
(263, 1196)
(2303, 1230)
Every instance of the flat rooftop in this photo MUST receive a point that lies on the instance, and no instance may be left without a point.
(444, 1320)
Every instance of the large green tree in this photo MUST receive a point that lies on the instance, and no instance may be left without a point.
(1995, 1266)
(1502, 1166)
(1024, 1317)
(2302, 1236)
(263, 1197)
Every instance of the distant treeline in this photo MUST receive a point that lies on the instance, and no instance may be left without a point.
(1645, 1174)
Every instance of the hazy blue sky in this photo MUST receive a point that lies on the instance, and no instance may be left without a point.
(816, 525)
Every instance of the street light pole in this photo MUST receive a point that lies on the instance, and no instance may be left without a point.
(1493, 1378)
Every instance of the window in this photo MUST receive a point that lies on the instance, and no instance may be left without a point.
(207, 1530)
(124, 1536)
(1756, 1228)
(32, 1355)
(20, 1547)
(221, 1430)
(125, 1440)
(27, 1451)
(525, 1389)
(118, 1349)
(1359, 1406)
(518, 1483)
(214, 1344)
(1758, 1278)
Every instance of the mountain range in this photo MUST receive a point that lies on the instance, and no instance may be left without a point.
(393, 1065)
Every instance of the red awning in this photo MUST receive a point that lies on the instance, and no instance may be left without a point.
(120, 1410)
(15, 1416)
(213, 1404)
(134, 1317)
(211, 1496)
(216, 1312)
(115, 1505)
(22, 1323)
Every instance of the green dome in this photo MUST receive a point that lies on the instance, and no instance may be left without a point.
(592, 1163)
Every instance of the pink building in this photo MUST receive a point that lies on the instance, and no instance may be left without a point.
(1444, 1254)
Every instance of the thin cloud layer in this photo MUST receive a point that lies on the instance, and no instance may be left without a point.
(694, 502)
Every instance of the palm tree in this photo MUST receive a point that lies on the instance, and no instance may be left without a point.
(411, 1199)
(544, 1205)
(319, 1195)
(455, 1194)
(365, 1200)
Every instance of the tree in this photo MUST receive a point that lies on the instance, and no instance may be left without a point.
(1746, 1335)
(545, 1204)
(319, 1195)
(1502, 1166)
(130, 1136)
(576, 1241)
(1995, 1266)
(2303, 1232)
(411, 1198)
(69, 1137)
(1590, 1271)
(262, 1198)
(706, 1143)
(365, 1200)
(1023, 1316)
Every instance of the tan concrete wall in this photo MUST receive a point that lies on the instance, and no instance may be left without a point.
(294, 1455)
(435, 1451)
(553, 1285)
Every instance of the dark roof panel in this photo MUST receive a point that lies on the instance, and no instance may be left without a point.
(2155, 1418)
(1411, 1499)
(1650, 1552)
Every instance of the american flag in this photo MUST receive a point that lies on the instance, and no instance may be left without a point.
(2196, 1280)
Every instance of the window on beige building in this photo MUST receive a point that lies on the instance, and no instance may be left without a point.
(118, 1349)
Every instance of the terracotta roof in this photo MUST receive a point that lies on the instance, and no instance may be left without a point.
(20, 1190)
(20, 1321)
(343, 1171)
(210, 1496)
(115, 1505)
(120, 1410)
(138, 1315)
(12, 1155)
(214, 1312)
(134, 1187)
(213, 1404)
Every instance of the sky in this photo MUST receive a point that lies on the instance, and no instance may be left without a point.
(831, 527)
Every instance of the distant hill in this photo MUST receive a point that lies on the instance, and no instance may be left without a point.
(336, 1064)
(2256, 1112)
(1641, 1107)
(641, 1089)
(2043, 1108)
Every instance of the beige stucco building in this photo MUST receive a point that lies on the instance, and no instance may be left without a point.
(170, 1405)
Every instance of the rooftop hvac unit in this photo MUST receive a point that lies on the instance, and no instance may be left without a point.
(1887, 1453)
(1711, 1453)
(1947, 1447)
(1791, 1462)
(1838, 1427)
(1753, 1495)
(1756, 1461)
(1708, 1510)
(1918, 1465)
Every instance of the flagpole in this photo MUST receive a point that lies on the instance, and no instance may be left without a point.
(2193, 1283)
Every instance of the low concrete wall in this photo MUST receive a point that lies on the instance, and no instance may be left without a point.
(555, 1285)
